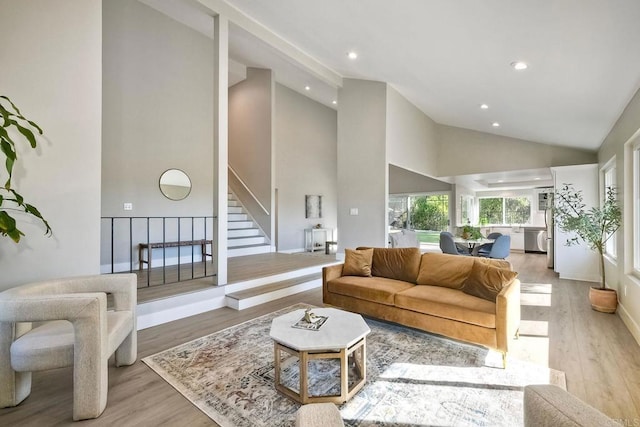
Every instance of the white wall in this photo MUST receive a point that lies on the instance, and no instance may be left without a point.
(251, 104)
(51, 58)
(627, 285)
(463, 152)
(306, 163)
(157, 109)
(403, 181)
(362, 164)
(577, 262)
(410, 136)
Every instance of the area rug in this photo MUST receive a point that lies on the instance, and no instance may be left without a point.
(413, 378)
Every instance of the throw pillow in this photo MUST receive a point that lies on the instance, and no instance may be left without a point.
(486, 281)
(449, 271)
(357, 262)
(396, 263)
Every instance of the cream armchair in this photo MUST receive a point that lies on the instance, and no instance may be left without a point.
(77, 330)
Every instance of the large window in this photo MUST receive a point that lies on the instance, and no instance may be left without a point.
(504, 210)
(608, 180)
(427, 214)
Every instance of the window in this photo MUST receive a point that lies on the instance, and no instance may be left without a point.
(430, 212)
(505, 210)
(491, 210)
(466, 210)
(608, 180)
(427, 214)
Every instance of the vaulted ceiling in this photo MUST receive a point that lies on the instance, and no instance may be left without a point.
(451, 57)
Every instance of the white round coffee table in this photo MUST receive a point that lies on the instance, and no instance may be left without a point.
(342, 336)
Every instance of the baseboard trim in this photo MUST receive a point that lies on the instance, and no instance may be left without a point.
(581, 279)
(291, 251)
(629, 322)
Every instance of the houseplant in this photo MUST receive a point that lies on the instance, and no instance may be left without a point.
(594, 226)
(471, 233)
(15, 127)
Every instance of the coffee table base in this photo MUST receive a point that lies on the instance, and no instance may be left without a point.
(355, 354)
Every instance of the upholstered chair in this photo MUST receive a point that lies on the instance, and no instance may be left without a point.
(501, 247)
(549, 405)
(448, 246)
(485, 249)
(74, 328)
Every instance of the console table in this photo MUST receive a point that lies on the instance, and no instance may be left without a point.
(315, 238)
(149, 246)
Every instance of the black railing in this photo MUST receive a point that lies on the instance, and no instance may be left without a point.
(129, 242)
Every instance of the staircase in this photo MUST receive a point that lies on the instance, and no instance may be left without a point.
(244, 237)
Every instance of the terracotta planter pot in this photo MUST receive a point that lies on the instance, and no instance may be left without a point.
(603, 300)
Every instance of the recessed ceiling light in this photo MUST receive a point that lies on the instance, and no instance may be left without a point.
(536, 178)
(334, 102)
(352, 55)
(501, 180)
(484, 107)
(519, 65)
(307, 88)
(495, 124)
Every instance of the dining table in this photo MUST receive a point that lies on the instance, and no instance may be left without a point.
(472, 243)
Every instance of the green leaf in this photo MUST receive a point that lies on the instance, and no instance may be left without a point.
(8, 227)
(27, 129)
(35, 212)
(26, 132)
(10, 102)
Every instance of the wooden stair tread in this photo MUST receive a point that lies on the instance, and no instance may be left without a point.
(259, 290)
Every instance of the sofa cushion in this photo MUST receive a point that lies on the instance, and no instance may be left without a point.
(486, 281)
(449, 304)
(357, 262)
(451, 271)
(500, 263)
(396, 263)
(374, 289)
(446, 270)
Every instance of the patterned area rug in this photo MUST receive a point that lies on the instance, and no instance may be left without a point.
(413, 378)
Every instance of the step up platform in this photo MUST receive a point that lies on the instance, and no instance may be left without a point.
(261, 294)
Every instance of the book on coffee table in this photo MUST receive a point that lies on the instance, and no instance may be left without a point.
(311, 326)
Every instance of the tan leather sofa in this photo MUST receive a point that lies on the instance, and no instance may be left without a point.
(433, 292)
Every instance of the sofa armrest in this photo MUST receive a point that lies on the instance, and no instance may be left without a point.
(548, 405)
(507, 314)
(329, 273)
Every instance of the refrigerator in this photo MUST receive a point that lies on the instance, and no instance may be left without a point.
(548, 222)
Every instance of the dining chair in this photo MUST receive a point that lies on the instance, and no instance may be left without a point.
(501, 247)
(448, 246)
(485, 249)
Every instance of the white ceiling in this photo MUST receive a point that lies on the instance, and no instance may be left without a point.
(448, 57)
(510, 180)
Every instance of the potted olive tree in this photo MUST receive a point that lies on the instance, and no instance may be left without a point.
(593, 226)
(15, 129)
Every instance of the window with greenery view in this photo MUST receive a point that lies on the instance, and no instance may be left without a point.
(505, 210)
(427, 214)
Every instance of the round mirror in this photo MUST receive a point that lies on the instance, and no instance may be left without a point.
(175, 184)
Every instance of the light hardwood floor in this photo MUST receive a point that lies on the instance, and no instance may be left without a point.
(599, 356)
(240, 269)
